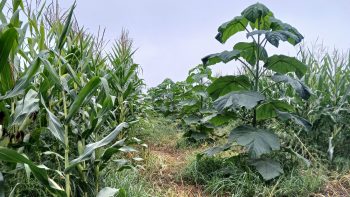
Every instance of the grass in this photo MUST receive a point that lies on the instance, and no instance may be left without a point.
(162, 159)
(131, 181)
(157, 130)
(171, 168)
(232, 176)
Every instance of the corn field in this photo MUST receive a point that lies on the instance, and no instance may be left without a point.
(74, 113)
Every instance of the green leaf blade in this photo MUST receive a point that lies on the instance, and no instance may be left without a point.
(227, 84)
(283, 64)
(224, 57)
(90, 148)
(234, 100)
(257, 141)
(303, 91)
(230, 28)
(268, 168)
(84, 95)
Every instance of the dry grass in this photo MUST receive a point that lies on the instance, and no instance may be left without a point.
(338, 187)
(164, 163)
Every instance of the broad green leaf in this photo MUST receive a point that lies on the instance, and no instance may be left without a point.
(2, 186)
(84, 95)
(217, 149)
(196, 135)
(281, 35)
(257, 141)
(234, 100)
(276, 25)
(255, 12)
(226, 84)
(107, 192)
(55, 126)
(230, 28)
(66, 28)
(274, 37)
(25, 107)
(268, 110)
(7, 41)
(303, 91)
(283, 64)
(298, 120)
(249, 50)
(192, 119)
(219, 119)
(268, 168)
(24, 81)
(90, 148)
(224, 57)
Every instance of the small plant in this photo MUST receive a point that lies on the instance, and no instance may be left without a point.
(165, 98)
(197, 105)
(246, 95)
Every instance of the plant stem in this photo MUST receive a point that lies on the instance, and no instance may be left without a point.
(256, 87)
(66, 141)
(66, 151)
(97, 172)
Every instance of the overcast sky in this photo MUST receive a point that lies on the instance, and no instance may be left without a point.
(173, 35)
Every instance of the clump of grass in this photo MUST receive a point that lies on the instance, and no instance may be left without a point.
(131, 181)
(157, 129)
(27, 187)
(341, 164)
(232, 176)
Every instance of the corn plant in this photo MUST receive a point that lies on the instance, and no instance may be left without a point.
(244, 94)
(329, 77)
(124, 78)
(56, 114)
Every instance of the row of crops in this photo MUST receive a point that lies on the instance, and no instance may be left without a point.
(67, 104)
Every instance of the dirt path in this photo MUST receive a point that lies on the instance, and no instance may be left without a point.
(167, 178)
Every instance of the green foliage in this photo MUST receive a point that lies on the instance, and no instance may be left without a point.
(8, 40)
(226, 84)
(230, 176)
(131, 180)
(196, 109)
(57, 113)
(329, 77)
(246, 94)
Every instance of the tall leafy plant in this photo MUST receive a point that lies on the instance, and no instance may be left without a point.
(246, 93)
(197, 105)
(329, 77)
(124, 78)
(167, 96)
(60, 105)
